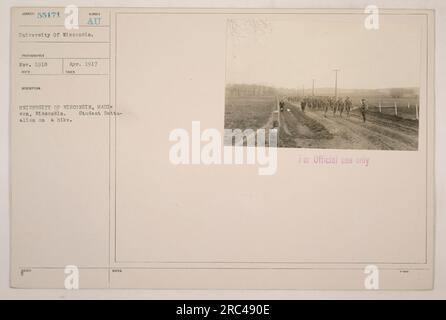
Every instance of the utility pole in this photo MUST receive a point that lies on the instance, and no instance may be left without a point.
(312, 91)
(336, 83)
(303, 91)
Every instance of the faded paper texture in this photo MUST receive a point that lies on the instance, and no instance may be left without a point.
(93, 181)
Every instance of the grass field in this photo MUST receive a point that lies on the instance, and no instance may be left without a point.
(388, 106)
(248, 112)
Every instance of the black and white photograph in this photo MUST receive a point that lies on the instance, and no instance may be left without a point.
(326, 81)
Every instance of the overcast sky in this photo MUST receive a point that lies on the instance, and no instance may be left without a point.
(290, 51)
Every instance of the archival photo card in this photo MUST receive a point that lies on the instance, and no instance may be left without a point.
(222, 148)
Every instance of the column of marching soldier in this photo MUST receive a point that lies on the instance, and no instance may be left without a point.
(333, 105)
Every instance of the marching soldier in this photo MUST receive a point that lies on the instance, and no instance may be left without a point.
(348, 106)
(322, 103)
(363, 108)
(327, 105)
(340, 106)
(330, 103)
(303, 104)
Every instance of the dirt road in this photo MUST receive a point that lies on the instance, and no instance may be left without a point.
(313, 130)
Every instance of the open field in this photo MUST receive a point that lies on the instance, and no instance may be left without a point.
(312, 129)
(248, 112)
(406, 107)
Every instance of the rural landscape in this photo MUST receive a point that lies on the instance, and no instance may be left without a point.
(325, 82)
(393, 126)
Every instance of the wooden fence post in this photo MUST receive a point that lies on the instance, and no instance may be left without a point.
(396, 109)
